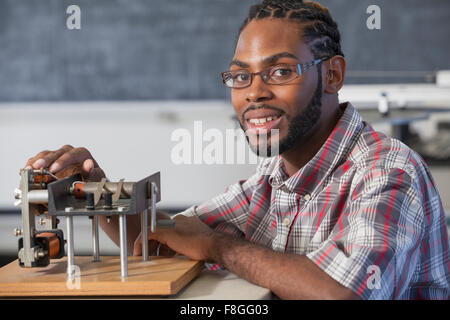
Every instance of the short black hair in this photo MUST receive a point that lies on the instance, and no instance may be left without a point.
(320, 31)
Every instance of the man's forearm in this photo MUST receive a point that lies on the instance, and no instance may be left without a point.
(289, 276)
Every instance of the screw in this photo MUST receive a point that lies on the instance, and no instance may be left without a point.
(18, 232)
(155, 187)
(17, 193)
(40, 254)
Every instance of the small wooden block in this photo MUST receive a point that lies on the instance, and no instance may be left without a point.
(158, 276)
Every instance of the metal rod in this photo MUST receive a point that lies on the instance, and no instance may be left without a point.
(28, 221)
(70, 254)
(95, 243)
(45, 171)
(123, 246)
(153, 207)
(91, 187)
(37, 196)
(144, 233)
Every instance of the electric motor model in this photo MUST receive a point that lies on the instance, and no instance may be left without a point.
(42, 194)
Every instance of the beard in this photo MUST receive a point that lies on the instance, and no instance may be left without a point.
(300, 126)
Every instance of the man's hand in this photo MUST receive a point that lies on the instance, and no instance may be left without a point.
(154, 248)
(190, 237)
(68, 161)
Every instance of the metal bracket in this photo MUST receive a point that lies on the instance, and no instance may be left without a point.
(99, 191)
(116, 195)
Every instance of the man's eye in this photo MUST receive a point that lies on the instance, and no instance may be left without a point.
(281, 72)
(241, 77)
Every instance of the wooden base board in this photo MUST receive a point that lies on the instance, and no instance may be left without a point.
(158, 276)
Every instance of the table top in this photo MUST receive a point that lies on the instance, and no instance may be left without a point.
(222, 285)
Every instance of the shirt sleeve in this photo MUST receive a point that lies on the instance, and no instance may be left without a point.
(373, 247)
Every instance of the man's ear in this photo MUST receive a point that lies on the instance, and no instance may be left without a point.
(334, 74)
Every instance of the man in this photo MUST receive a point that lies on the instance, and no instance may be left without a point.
(343, 212)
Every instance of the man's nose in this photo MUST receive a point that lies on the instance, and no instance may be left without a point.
(258, 90)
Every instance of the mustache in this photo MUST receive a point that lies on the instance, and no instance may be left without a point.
(263, 106)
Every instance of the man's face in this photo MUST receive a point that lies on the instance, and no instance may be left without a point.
(293, 108)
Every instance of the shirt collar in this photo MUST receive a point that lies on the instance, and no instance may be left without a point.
(332, 153)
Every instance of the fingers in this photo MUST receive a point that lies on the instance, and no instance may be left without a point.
(45, 158)
(33, 163)
(88, 165)
(155, 236)
(70, 157)
(166, 251)
(68, 161)
(137, 248)
(91, 172)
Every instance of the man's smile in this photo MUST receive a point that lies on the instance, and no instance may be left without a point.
(262, 119)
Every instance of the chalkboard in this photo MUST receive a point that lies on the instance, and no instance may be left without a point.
(176, 49)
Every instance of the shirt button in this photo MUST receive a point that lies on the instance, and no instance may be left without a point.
(307, 197)
(287, 221)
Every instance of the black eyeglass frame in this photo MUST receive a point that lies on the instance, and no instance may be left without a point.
(301, 69)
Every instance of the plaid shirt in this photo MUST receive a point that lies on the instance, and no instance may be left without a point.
(364, 209)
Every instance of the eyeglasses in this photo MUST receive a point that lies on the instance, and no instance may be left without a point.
(278, 74)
